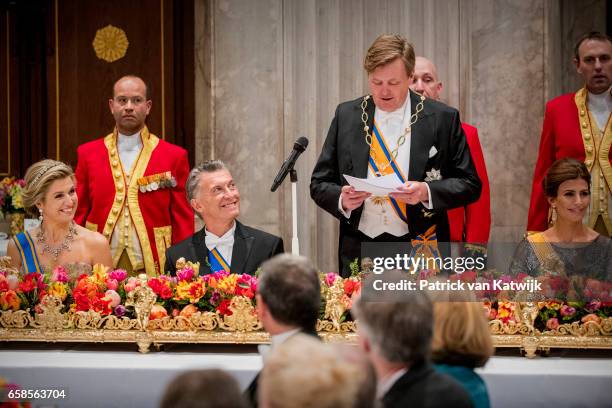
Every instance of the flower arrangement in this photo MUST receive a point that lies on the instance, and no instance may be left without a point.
(10, 195)
(188, 292)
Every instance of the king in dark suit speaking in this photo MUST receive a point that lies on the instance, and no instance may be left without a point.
(393, 131)
(224, 243)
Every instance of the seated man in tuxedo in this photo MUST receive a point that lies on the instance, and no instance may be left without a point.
(224, 243)
(396, 337)
(288, 302)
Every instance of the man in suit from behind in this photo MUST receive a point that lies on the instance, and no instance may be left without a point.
(396, 337)
(288, 301)
(224, 243)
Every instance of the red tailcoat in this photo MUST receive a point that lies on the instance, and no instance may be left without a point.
(161, 217)
(473, 223)
(562, 136)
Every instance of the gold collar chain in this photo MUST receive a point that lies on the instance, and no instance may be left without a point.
(402, 139)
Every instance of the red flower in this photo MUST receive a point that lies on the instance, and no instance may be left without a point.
(165, 292)
(223, 308)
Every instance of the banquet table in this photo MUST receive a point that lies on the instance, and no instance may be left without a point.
(118, 376)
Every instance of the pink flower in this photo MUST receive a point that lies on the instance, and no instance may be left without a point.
(593, 306)
(59, 274)
(552, 323)
(118, 274)
(591, 317)
(132, 283)
(567, 311)
(113, 297)
(330, 278)
(111, 284)
(185, 274)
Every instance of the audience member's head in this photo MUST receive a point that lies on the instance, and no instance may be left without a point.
(288, 294)
(461, 333)
(397, 332)
(203, 389)
(304, 372)
(366, 396)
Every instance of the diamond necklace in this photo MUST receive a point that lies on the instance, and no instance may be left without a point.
(55, 251)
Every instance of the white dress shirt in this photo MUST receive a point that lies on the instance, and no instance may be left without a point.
(224, 243)
(377, 219)
(600, 106)
(129, 147)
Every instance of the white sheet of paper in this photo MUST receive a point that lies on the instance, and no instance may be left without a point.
(380, 186)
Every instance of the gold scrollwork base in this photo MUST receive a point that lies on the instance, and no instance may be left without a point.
(243, 327)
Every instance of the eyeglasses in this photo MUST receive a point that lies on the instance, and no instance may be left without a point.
(123, 100)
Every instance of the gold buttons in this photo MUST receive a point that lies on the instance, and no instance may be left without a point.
(118, 198)
(118, 174)
(113, 152)
(110, 221)
(115, 163)
(588, 163)
(582, 112)
(115, 211)
(587, 136)
(589, 149)
(584, 125)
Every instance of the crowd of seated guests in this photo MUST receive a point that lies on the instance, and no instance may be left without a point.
(413, 352)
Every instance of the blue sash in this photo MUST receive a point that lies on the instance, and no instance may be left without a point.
(379, 149)
(27, 252)
(217, 262)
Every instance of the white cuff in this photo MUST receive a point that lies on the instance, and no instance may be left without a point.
(347, 214)
(428, 204)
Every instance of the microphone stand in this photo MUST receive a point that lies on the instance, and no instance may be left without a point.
(295, 243)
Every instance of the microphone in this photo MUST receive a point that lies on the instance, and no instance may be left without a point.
(300, 145)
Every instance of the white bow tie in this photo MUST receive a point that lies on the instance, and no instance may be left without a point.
(215, 241)
(395, 115)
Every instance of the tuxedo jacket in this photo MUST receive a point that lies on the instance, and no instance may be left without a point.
(161, 217)
(251, 394)
(423, 387)
(472, 223)
(345, 151)
(251, 248)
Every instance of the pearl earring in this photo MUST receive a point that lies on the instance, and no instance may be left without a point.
(40, 217)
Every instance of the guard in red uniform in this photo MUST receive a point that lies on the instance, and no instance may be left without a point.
(131, 185)
(471, 223)
(578, 125)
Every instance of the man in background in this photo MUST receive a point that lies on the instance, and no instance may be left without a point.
(470, 223)
(131, 185)
(578, 125)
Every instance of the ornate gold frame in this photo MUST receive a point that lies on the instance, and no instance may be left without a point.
(242, 327)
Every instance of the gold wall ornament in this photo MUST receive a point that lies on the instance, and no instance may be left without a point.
(110, 43)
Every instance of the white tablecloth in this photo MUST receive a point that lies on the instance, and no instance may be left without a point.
(118, 376)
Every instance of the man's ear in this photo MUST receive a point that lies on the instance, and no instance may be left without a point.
(577, 64)
(364, 343)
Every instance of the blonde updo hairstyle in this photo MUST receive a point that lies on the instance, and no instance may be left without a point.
(38, 179)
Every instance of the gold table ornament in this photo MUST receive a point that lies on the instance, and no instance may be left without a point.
(110, 43)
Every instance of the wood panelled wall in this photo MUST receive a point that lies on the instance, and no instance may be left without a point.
(59, 88)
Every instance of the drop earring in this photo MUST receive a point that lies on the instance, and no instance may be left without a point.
(40, 217)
